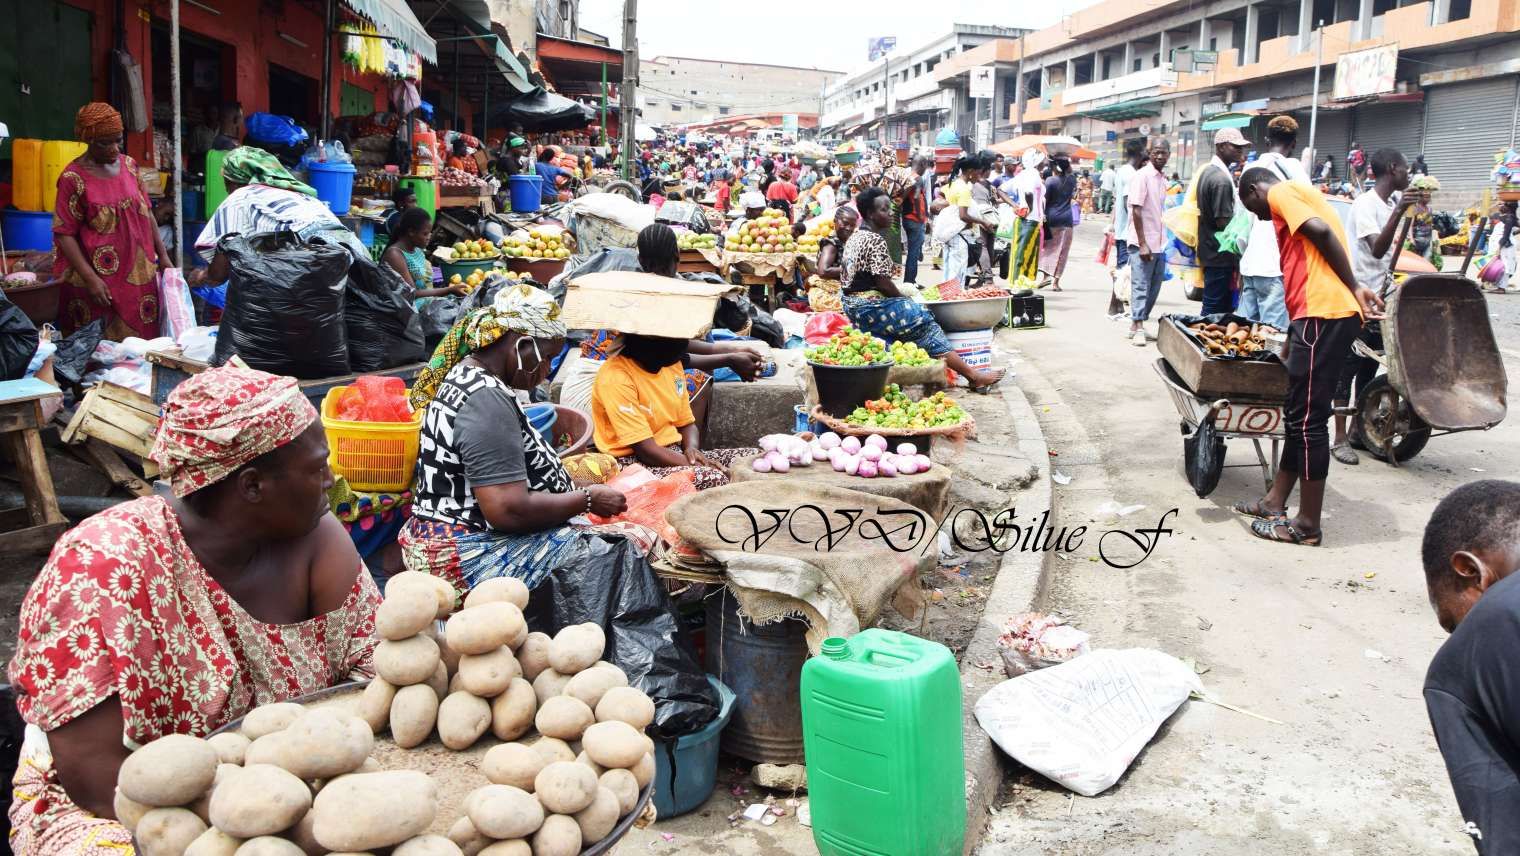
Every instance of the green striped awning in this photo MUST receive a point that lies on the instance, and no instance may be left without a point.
(1228, 120)
(395, 19)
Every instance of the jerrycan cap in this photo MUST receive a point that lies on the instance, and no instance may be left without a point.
(835, 648)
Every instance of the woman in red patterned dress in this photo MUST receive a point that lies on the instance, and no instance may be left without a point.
(178, 615)
(109, 249)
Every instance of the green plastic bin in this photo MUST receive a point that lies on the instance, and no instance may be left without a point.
(427, 193)
(216, 186)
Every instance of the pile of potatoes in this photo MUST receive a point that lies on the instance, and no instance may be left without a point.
(300, 782)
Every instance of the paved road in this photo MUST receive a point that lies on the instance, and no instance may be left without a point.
(1332, 642)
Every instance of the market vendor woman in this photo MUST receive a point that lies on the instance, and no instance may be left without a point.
(874, 304)
(491, 497)
(178, 615)
(109, 248)
(407, 256)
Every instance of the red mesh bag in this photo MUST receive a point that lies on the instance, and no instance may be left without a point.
(647, 503)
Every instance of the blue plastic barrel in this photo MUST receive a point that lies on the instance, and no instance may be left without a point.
(334, 183)
(26, 230)
(525, 192)
(693, 759)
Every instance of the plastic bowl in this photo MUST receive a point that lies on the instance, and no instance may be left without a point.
(841, 389)
(963, 316)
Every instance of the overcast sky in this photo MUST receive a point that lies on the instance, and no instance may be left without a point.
(806, 33)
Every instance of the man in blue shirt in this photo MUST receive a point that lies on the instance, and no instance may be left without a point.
(548, 191)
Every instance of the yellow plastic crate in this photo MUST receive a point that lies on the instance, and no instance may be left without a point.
(372, 456)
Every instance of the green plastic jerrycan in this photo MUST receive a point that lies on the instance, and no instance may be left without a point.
(881, 726)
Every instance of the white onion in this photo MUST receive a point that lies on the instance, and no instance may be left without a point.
(907, 466)
(829, 439)
(878, 441)
(760, 465)
(887, 469)
(852, 465)
(780, 465)
(768, 442)
(850, 444)
(906, 449)
(871, 453)
(867, 469)
(818, 451)
(924, 463)
(838, 463)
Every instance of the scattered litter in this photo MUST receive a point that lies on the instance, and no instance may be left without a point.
(1331, 693)
(936, 596)
(1204, 623)
(738, 790)
(1478, 469)
(1034, 640)
(1071, 804)
(1201, 696)
(1375, 655)
(768, 819)
(1196, 667)
(756, 811)
(1060, 478)
(1053, 453)
(805, 815)
(1369, 575)
(778, 811)
(1115, 509)
(668, 836)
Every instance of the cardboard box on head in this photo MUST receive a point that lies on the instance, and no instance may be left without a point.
(643, 304)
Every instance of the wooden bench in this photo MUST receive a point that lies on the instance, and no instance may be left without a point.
(40, 521)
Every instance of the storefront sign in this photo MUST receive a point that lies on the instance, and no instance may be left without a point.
(789, 124)
(983, 81)
(1362, 73)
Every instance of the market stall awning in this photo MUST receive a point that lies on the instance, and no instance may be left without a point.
(1229, 120)
(1135, 108)
(578, 68)
(395, 19)
(1018, 145)
(475, 16)
(543, 111)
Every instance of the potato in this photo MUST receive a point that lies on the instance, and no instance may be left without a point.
(173, 770)
(512, 711)
(509, 589)
(503, 812)
(576, 647)
(370, 765)
(516, 847)
(466, 837)
(366, 811)
(213, 842)
(305, 836)
(559, 836)
(563, 717)
(441, 589)
(554, 749)
(129, 811)
(375, 704)
(229, 746)
(322, 744)
(643, 771)
(449, 655)
(614, 743)
(269, 749)
(591, 684)
(626, 704)
(518, 638)
(462, 718)
(413, 715)
(623, 786)
(565, 787)
(427, 845)
(168, 831)
(487, 675)
(270, 845)
(407, 662)
(597, 819)
(260, 799)
(405, 613)
(270, 718)
(583, 758)
(202, 806)
(549, 684)
(483, 628)
(533, 654)
(621, 675)
(440, 681)
(515, 764)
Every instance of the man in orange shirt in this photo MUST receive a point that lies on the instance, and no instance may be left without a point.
(1325, 310)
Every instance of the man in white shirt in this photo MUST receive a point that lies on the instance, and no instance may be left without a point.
(1375, 220)
(1261, 283)
(1106, 190)
(1134, 158)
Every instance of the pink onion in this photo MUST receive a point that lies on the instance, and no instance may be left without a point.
(871, 453)
(829, 439)
(887, 469)
(838, 463)
(924, 463)
(780, 464)
(906, 449)
(768, 442)
(852, 465)
(850, 444)
(867, 469)
(907, 466)
(761, 465)
(878, 441)
(818, 451)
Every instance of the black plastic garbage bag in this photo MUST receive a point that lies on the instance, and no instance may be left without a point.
(438, 315)
(18, 340)
(383, 328)
(285, 303)
(72, 358)
(614, 587)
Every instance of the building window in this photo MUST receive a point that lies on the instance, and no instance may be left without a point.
(675, 108)
(694, 92)
(722, 111)
(652, 103)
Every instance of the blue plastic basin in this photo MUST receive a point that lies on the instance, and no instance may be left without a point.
(541, 417)
(689, 783)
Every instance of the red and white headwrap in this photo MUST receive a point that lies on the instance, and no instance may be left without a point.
(221, 419)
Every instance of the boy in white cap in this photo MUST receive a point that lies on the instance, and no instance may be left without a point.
(753, 203)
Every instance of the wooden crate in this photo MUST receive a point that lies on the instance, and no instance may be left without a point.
(1254, 380)
(692, 261)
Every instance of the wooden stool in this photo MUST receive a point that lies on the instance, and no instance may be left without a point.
(20, 423)
(767, 285)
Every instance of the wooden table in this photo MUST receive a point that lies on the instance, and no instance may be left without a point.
(21, 421)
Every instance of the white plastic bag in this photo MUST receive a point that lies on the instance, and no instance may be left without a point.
(1082, 723)
(947, 224)
(176, 311)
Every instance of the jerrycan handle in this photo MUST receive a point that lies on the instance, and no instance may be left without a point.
(892, 659)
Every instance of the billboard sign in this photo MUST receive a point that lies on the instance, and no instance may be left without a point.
(879, 46)
(1362, 73)
(983, 81)
(789, 124)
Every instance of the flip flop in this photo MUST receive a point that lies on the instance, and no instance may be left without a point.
(1267, 531)
(1345, 454)
(1257, 510)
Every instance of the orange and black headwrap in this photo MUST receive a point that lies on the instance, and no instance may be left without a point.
(96, 120)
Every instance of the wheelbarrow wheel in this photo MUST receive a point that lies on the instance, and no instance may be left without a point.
(1384, 420)
(1203, 458)
(1193, 293)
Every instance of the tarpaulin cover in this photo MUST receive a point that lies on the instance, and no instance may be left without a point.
(613, 586)
(383, 329)
(544, 111)
(285, 305)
